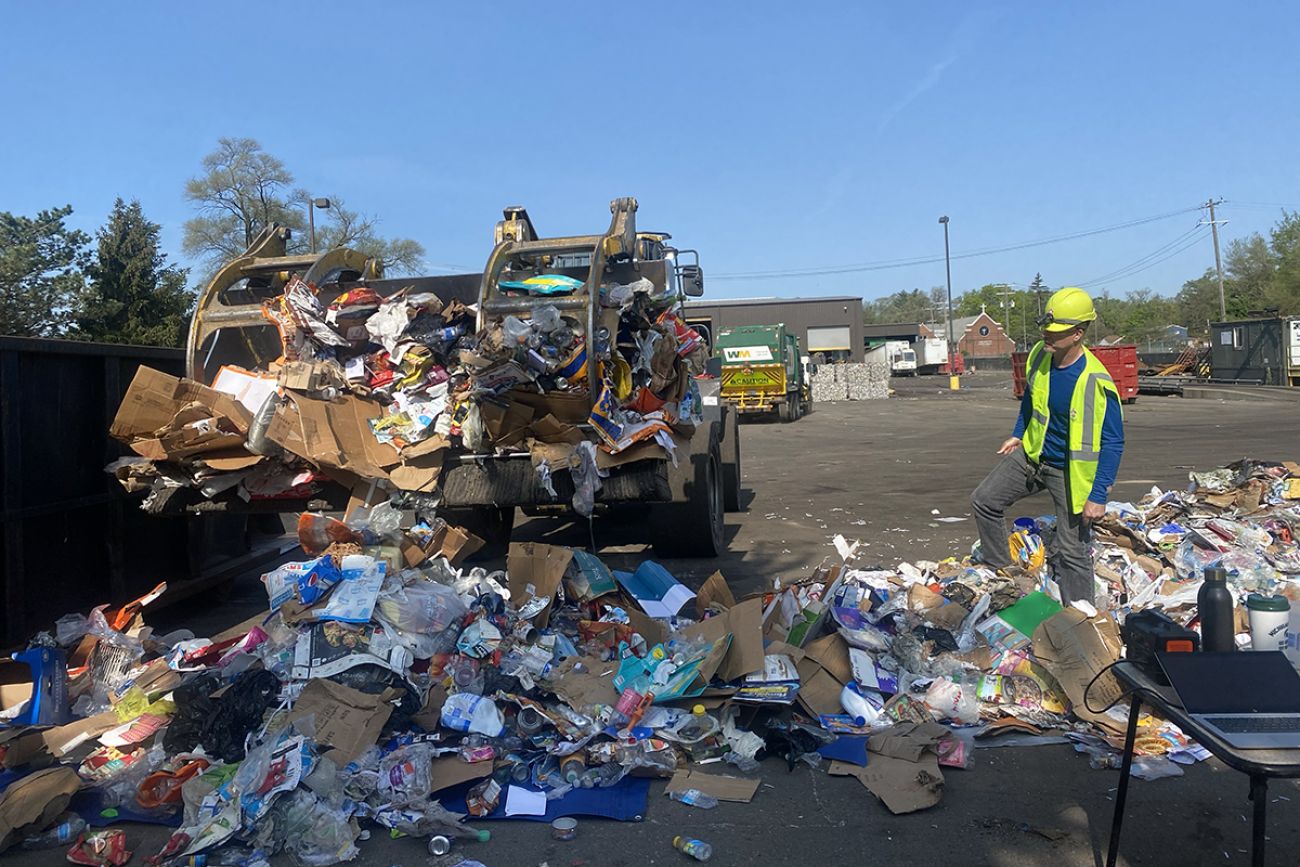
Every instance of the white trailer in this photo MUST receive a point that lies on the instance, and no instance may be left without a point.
(931, 354)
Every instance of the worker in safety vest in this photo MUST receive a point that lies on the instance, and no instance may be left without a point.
(1068, 440)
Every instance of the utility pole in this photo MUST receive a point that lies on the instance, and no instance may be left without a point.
(952, 345)
(1005, 293)
(1218, 262)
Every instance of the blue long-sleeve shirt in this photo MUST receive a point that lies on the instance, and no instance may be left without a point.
(1056, 443)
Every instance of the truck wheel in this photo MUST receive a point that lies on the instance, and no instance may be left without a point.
(731, 464)
(694, 528)
(491, 524)
(784, 411)
(798, 407)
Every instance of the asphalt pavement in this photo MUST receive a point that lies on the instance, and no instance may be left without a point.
(878, 471)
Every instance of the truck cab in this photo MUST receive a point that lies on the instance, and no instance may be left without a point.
(762, 370)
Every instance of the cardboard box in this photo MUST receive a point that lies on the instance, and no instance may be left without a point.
(536, 570)
(454, 543)
(153, 399)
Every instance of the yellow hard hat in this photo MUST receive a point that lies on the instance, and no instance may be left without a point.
(1067, 308)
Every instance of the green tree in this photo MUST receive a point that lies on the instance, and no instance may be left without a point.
(41, 264)
(1283, 291)
(243, 189)
(906, 306)
(348, 228)
(134, 296)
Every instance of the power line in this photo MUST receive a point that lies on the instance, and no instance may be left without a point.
(886, 264)
(1184, 247)
(1133, 267)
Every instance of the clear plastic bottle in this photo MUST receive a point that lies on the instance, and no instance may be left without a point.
(546, 318)
(695, 798)
(697, 849)
(699, 725)
(69, 826)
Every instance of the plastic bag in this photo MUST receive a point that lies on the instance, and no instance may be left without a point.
(423, 606)
(466, 712)
(586, 479)
(948, 699)
(406, 775)
(315, 834)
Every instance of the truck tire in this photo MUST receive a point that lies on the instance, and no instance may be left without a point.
(490, 523)
(785, 411)
(731, 475)
(694, 528)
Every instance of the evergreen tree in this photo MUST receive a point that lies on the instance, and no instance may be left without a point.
(41, 279)
(134, 295)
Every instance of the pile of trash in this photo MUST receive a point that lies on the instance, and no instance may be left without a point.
(390, 688)
(377, 390)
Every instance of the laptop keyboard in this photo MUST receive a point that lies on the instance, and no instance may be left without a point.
(1257, 724)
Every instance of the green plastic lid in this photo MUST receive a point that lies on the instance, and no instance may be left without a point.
(484, 835)
(1259, 602)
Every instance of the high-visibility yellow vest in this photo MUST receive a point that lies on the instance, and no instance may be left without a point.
(1087, 415)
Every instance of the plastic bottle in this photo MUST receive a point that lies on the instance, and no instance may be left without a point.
(546, 318)
(572, 768)
(698, 726)
(69, 827)
(697, 849)
(695, 798)
(1214, 605)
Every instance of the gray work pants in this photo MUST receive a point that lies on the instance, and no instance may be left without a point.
(1013, 479)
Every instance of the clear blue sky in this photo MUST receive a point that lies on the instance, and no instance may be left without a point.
(772, 137)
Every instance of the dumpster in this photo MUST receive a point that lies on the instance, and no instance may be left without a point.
(1120, 360)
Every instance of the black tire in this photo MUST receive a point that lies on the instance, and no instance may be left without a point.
(492, 524)
(785, 411)
(798, 406)
(731, 474)
(694, 528)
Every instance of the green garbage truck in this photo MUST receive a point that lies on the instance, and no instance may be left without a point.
(762, 371)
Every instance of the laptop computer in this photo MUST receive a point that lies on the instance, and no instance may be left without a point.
(1251, 700)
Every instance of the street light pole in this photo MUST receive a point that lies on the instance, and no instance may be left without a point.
(952, 344)
(312, 205)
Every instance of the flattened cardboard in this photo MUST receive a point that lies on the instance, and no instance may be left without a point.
(903, 787)
(346, 719)
(644, 451)
(232, 460)
(736, 789)
(20, 747)
(908, 741)
(448, 771)
(430, 714)
(819, 691)
(831, 652)
(31, 804)
(580, 681)
(549, 429)
(418, 474)
(744, 622)
(536, 570)
(1074, 648)
(505, 424)
(570, 407)
(337, 434)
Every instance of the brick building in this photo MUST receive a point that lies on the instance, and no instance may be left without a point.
(979, 336)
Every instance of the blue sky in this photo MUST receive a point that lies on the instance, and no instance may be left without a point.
(772, 137)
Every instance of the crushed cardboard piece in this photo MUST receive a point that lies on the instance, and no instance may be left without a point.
(448, 771)
(549, 429)
(903, 786)
(737, 789)
(714, 594)
(908, 741)
(29, 805)
(744, 623)
(581, 681)
(454, 543)
(1074, 648)
(346, 719)
(336, 434)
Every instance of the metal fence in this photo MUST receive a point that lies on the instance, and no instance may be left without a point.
(72, 538)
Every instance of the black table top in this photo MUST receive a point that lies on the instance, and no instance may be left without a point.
(1163, 699)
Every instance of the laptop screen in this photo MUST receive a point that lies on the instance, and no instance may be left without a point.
(1243, 682)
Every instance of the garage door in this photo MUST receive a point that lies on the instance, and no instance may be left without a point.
(828, 338)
